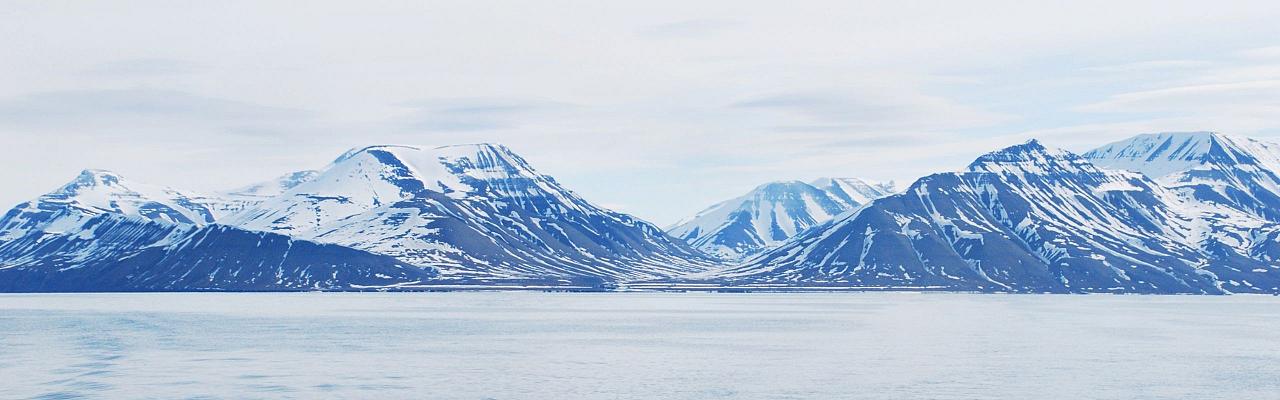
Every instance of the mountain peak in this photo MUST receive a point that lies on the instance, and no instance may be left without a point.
(1031, 156)
(1017, 151)
(97, 191)
(1162, 154)
(365, 149)
(771, 213)
(369, 177)
(491, 162)
(487, 154)
(1161, 144)
(99, 175)
(91, 178)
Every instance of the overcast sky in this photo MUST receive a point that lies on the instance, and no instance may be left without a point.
(656, 108)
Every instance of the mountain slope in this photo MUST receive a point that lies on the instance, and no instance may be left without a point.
(1023, 219)
(475, 211)
(101, 233)
(771, 213)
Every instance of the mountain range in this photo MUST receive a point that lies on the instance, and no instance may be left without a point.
(378, 217)
(1195, 213)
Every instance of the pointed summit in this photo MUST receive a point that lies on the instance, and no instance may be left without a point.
(1031, 149)
(96, 191)
(492, 158)
(91, 178)
(1031, 157)
(772, 213)
(98, 174)
(484, 156)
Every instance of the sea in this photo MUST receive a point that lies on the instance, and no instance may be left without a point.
(637, 345)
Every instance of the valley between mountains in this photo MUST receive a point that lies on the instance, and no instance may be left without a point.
(1168, 213)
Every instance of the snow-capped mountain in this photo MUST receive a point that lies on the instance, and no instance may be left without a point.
(476, 211)
(1210, 167)
(771, 213)
(1026, 219)
(102, 232)
(98, 191)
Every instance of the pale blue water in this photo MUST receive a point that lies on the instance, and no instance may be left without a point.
(637, 346)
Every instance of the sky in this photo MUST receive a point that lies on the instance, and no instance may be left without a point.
(655, 108)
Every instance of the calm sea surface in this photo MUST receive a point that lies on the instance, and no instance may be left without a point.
(637, 346)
